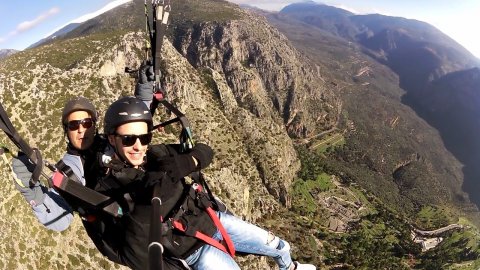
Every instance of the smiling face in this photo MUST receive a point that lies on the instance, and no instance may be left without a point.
(135, 152)
(80, 136)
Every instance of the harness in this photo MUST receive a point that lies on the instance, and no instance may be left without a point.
(65, 181)
(185, 218)
(197, 192)
(161, 11)
(162, 233)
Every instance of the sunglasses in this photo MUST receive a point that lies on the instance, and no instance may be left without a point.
(129, 140)
(75, 124)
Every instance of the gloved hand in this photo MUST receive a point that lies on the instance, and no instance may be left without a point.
(22, 169)
(203, 154)
(176, 166)
(145, 86)
(146, 73)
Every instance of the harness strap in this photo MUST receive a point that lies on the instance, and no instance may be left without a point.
(148, 32)
(89, 196)
(186, 134)
(67, 171)
(200, 179)
(226, 245)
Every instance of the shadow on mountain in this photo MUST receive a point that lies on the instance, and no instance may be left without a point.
(437, 74)
(451, 105)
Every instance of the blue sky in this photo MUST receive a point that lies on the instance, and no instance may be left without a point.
(25, 22)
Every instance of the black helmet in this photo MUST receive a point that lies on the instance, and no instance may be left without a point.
(126, 110)
(78, 104)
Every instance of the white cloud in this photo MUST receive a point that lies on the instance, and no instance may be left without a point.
(27, 25)
(352, 10)
(89, 16)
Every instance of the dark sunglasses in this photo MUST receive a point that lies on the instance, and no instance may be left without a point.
(129, 140)
(75, 124)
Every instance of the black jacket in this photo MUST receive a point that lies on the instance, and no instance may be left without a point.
(128, 237)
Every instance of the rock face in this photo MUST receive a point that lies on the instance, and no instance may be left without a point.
(265, 87)
(267, 76)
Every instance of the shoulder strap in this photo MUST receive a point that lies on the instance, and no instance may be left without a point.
(67, 170)
(65, 180)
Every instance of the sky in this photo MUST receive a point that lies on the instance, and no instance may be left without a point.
(25, 22)
(459, 19)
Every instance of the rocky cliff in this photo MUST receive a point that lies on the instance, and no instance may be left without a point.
(265, 87)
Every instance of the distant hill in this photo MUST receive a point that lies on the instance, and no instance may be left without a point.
(395, 41)
(437, 73)
(57, 34)
(372, 96)
(451, 104)
(6, 52)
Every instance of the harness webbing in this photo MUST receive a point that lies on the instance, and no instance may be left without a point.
(161, 11)
(160, 20)
(148, 32)
(64, 179)
(226, 238)
(226, 245)
(186, 140)
(155, 248)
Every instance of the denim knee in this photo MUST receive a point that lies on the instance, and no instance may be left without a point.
(283, 246)
(278, 244)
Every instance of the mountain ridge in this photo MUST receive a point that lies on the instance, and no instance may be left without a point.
(397, 43)
(4, 53)
(57, 34)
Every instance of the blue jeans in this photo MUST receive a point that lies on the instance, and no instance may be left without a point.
(247, 238)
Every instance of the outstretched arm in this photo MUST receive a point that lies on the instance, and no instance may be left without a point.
(177, 165)
(50, 208)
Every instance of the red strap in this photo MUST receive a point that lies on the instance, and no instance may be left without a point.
(227, 245)
(57, 179)
(158, 96)
(226, 238)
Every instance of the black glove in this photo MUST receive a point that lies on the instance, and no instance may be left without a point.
(145, 86)
(176, 166)
(146, 73)
(22, 169)
(203, 154)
